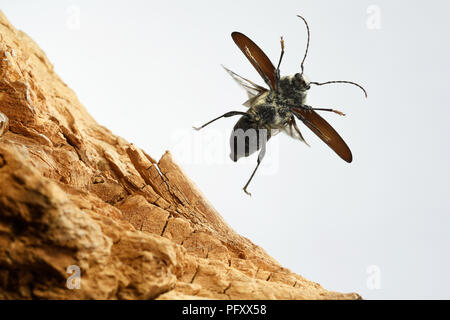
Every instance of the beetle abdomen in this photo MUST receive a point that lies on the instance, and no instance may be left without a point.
(246, 138)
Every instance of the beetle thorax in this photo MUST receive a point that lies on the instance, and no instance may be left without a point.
(291, 91)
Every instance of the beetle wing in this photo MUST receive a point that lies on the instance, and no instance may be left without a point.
(257, 58)
(250, 87)
(324, 131)
(293, 131)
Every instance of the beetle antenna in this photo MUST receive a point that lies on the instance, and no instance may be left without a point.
(349, 82)
(307, 43)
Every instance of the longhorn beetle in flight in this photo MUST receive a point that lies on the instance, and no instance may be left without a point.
(275, 109)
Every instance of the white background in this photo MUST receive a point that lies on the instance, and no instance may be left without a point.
(149, 70)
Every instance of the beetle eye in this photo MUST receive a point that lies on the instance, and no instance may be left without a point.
(300, 81)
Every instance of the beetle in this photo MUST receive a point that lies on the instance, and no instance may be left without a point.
(276, 109)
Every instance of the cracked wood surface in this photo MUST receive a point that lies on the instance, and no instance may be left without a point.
(73, 193)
